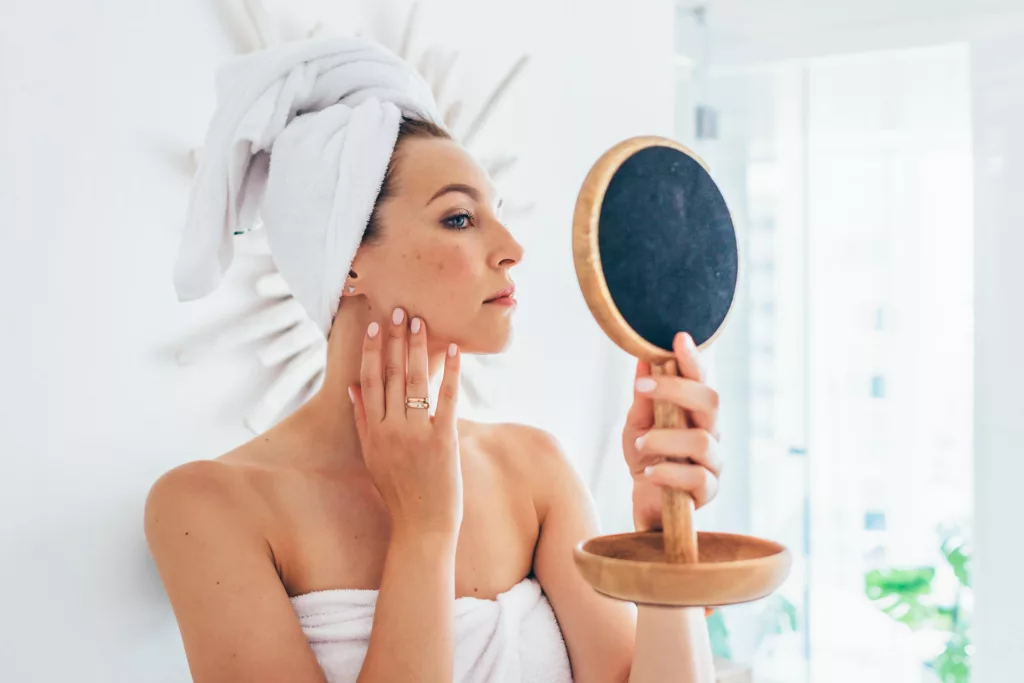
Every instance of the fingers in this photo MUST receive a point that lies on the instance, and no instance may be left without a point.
(701, 400)
(355, 394)
(395, 366)
(448, 396)
(371, 381)
(641, 413)
(416, 379)
(395, 356)
(701, 484)
(688, 357)
(696, 444)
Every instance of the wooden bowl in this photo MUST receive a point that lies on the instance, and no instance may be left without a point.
(731, 569)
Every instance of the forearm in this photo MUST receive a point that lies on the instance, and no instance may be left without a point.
(672, 646)
(413, 623)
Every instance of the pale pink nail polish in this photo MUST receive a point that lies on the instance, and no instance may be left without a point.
(372, 330)
(452, 350)
(415, 325)
(645, 385)
(639, 443)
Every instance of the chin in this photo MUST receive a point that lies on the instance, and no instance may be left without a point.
(498, 340)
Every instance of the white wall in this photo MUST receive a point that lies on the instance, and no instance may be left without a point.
(747, 31)
(99, 103)
(998, 75)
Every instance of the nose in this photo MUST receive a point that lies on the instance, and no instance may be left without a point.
(507, 252)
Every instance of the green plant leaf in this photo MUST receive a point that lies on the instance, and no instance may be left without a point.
(914, 581)
(904, 594)
(958, 560)
(900, 591)
(945, 618)
(954, 664)
(719, 635)
(788, 610)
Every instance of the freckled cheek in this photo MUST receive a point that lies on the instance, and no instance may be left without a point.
(455, 274)
(453, 266)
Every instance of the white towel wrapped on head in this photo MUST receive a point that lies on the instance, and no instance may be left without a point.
(302, 137)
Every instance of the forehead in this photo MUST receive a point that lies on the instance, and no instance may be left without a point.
(426, 164)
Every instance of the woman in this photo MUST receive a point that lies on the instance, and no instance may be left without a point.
(368, 497)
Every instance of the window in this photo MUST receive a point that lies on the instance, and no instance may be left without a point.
(874, 520)
(832, 167)
(878, 387)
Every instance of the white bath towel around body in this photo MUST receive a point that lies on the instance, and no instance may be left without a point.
(513, 639)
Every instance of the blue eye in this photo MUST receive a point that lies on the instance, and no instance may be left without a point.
(459, 221)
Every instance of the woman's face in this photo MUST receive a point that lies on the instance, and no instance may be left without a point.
(443, 250)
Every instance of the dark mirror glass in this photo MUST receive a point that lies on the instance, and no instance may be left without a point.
(668, 246)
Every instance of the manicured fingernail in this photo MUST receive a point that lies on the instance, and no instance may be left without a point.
(645, 385)
(415, 325)
(398, 316)
(639, 443)
(372, 330)
(688, 341)
(351, 395)
(452, 350)
(649, 470)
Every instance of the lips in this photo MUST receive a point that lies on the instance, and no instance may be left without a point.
(507, 292)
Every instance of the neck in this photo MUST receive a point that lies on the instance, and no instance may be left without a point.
(327, 420)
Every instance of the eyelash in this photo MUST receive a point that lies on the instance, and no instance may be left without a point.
(460, 214)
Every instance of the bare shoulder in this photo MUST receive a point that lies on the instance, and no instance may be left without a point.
(220, 576)
(232, 494)
(530, 455)
(202, 492)
(518, 445)
(210, 480)
(239, 483)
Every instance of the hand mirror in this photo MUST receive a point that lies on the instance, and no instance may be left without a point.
(656, 253)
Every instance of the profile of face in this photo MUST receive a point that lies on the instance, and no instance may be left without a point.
(442, 251)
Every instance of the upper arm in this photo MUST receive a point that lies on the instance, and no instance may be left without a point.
(599, 631)
(236, 620)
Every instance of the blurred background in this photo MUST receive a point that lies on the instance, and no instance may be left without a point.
(871, 153)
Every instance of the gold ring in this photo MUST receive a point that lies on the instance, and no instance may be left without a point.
(417, 403)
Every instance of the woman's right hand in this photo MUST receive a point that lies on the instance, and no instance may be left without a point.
(412, 457)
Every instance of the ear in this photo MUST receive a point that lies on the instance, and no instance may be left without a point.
(351, 284)
(358, 275)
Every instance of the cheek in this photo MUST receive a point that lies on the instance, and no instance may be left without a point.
(452, 268)
(441, 279)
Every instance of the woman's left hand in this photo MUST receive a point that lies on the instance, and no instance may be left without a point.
(684, 458)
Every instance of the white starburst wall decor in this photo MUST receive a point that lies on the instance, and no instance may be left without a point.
(291, 348)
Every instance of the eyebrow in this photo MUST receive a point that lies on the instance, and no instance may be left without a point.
(459, 187)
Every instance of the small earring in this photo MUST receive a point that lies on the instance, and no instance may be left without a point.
(351, 289)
